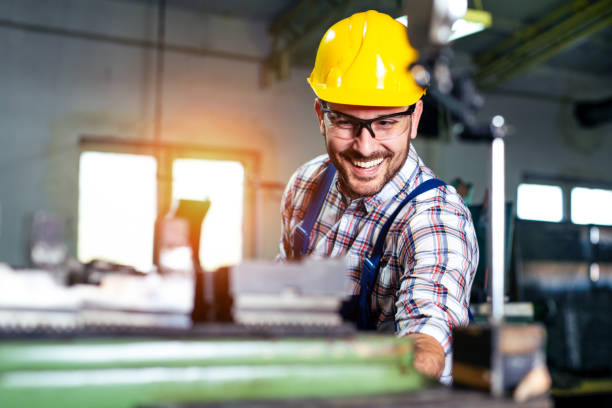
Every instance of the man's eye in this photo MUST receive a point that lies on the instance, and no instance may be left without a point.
(386, 123)
(342, 122)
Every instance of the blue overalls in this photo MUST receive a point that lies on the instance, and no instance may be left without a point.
(369, 271)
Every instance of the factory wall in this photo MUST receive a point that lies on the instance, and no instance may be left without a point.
(56, 88)
(544, 137)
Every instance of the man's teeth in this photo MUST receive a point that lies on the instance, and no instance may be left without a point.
(367, 164)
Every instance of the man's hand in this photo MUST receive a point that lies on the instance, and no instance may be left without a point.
(428, 355)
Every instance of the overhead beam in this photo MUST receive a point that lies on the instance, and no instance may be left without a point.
(285, 19)
(125, 41)
(293, 27)
(542, 40)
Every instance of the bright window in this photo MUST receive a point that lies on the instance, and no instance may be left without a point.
(591, 206)
(540, 202)
(221, 182)
(117, 208)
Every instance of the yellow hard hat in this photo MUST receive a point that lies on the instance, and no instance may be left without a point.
(364, 60)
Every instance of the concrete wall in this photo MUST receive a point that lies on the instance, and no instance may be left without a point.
(55, 88)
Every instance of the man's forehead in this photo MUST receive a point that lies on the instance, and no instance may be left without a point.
(365, 112)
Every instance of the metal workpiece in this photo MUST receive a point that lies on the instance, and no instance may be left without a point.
(132, 372)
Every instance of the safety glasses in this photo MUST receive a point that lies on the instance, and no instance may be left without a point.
(383, 127)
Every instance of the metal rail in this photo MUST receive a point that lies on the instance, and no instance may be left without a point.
(292, 28)
(126, 41)
(127, 373)
(543, 39)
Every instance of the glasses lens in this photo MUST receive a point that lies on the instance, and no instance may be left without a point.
(389, 127)
(346, 127)
(342, 126)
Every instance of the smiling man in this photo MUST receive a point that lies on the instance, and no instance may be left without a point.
(408, 238)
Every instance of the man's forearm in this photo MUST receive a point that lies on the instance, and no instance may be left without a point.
(428, 355)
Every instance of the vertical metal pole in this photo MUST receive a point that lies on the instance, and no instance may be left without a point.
(497, 240)
(164, 187)
(159, 71)
(498, 219)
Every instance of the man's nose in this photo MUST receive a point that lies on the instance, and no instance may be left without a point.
(364, 143)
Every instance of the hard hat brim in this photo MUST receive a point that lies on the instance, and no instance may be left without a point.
(377, 97)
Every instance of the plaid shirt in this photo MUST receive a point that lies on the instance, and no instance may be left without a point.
(430, 256)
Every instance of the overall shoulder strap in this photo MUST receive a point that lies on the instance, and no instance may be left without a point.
(301, 236)
(369, 271)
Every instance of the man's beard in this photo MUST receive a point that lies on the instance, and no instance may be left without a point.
(345, 179)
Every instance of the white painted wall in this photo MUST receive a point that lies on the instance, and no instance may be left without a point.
(55, 88)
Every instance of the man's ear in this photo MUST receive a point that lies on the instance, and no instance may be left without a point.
(416, 117)
(320, 115)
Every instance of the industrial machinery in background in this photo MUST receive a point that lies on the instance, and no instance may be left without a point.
(565, 271)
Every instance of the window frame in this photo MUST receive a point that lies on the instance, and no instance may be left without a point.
(165, 153)
(563, 201)
(586, 188)
(566, 183)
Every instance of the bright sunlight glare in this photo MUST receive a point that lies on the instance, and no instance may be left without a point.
(591, 206)
(539, 202)
(222, 182)
(117, 208)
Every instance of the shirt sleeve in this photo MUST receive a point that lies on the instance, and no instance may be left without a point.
(439, 251)
(287, 204)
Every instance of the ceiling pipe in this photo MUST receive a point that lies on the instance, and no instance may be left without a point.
(126, 41)
(542, 40)
(293, 27)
